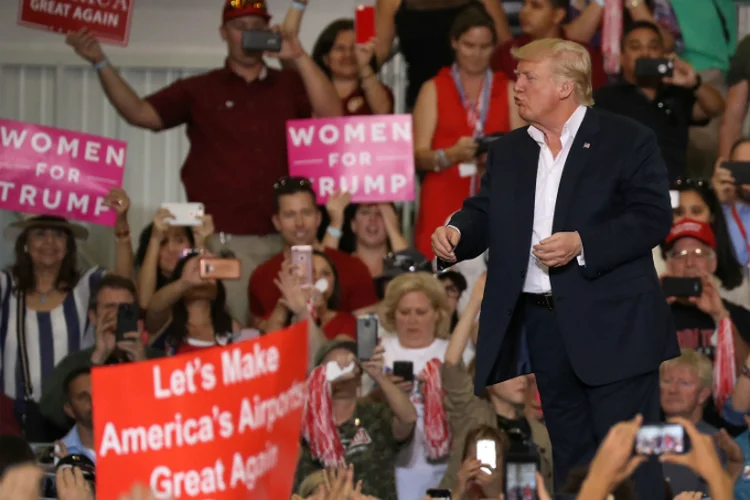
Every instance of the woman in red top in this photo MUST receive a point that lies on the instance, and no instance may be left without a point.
(454, 109)
(348, 66)
(190, 310)
(325, 296)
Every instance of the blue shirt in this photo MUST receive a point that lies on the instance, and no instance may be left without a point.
(738, 241)
(72, 441)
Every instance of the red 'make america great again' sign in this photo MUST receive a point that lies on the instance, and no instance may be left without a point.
(108, 20)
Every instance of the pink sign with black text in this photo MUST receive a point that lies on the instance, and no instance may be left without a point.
(372, 157)
(45, 170)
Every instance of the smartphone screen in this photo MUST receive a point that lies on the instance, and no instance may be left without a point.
(520, 481)
(302, 261)
(487, 454)
(658, 439)
(364, 23)
(367, 337)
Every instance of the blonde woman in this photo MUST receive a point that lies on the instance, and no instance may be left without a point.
(415, 309)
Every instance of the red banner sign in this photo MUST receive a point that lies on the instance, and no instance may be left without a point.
(219, 424)
(108, 20)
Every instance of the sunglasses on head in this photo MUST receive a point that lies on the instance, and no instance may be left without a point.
(687, 182)
(286, 182)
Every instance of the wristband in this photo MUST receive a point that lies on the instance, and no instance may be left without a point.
(336, 233)
(101, 64)
(297, 5)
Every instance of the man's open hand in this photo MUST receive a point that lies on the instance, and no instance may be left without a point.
(558, 249)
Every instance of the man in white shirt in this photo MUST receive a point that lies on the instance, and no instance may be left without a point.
(570, 209)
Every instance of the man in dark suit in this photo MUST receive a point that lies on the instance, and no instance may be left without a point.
(570, 208)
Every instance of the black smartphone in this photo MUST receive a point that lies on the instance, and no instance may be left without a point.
(127, 320)
(439, 494)
(661, 438)
(740, 171)
(519, 480)
(367, 336)
(261, 41)
(682, 287)
(483, 143)
(404, 369)
(654, 68)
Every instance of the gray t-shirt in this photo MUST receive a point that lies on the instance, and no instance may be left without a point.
(681, 478)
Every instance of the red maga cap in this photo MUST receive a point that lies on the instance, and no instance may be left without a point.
(239, 8)
(691, 228)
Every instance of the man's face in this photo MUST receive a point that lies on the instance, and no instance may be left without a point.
(512, 391)
(680, 391)
(231, 33)
(298, 219)
(537, 90)
(690, 258)
(640, 43)
(107, 301)
(538, 17)
(742, 153)
(78, 407)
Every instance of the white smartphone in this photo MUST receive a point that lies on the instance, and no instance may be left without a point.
(302, 260)
(487, 454)
(185, 214)
(674, 198)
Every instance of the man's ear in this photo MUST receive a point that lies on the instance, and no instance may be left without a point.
(703, 395)
(69, 410)
(276, 222)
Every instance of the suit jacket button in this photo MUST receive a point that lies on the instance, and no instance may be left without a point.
(510, 312)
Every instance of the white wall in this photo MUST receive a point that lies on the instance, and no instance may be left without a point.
(42, 81)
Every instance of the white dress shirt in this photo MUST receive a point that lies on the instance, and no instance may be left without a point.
(548, 177)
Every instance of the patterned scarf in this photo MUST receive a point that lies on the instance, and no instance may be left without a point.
(318, 425)
(436, 430)
(611, 35)
(725, 374)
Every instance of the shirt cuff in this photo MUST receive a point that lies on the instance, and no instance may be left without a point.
(454, 227)
(581, 258)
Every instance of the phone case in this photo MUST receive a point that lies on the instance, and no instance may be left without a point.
(127, 320)
(367, 337)
(185, 214)
(220, 269)
(682, 287)
(740, 171)
(302, 260)
(364, 23)
(404, 369)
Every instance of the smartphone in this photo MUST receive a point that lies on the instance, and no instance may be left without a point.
(404, 369)
(439, 494)
(487, 454)
(654, 68)
(519, 480)
(364, 23)
(261, 41)
(674, 198)
(367, 336)
(483, 143)
(740, 171)
(48, 488)
(127, 320)
(661, 438)
(302, 260)
(682, 287)
(185, 214)
(220, 269)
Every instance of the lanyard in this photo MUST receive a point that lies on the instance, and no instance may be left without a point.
(475, 118)
(741, 227)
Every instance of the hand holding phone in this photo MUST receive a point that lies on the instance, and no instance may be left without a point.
(127, 320)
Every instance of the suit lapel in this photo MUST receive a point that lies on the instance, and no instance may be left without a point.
(577, 161)
(525, 186)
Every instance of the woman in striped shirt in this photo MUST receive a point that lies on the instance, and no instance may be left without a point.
(44, 301)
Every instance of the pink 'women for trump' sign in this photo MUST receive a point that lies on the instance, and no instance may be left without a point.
(371, 157)
(45, 170)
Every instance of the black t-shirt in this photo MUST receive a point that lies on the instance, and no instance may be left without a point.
(695, 330)
(669, 115)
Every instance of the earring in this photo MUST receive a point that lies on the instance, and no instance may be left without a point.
(25, 249)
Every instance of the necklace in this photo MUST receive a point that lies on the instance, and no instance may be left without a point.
(43, 295)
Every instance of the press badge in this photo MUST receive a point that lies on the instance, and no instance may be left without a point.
(467, 169)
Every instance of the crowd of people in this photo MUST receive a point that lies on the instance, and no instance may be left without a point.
(408, 419)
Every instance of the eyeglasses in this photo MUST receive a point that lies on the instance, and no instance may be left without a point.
(698, 253)
(287, 182)
(241, 4)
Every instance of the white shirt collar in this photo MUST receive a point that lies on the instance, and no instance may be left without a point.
(569, 130)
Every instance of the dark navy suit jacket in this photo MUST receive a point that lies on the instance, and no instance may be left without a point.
(614, 191)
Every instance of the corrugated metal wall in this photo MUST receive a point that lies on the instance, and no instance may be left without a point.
(70, 97)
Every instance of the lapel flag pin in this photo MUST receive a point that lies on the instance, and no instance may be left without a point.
(586, 145)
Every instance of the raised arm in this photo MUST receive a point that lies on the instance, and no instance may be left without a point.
(118, 201)
(133, 109)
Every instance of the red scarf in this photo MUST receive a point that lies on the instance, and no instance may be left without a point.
(318, 426)
(436, 430)
(611, 35)
(725, 371)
